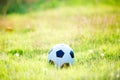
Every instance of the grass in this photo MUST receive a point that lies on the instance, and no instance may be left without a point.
(92, 31)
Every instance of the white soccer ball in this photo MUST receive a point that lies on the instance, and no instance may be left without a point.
(61, 55)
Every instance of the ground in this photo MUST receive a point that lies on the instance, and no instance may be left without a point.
(93, 32)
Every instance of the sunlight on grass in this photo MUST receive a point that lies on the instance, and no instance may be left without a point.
(92, 32)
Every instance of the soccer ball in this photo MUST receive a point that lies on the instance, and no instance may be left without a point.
(61, 55)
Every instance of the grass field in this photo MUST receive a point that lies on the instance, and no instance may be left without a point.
(92, 31)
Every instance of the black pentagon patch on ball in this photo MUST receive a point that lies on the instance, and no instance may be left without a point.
(72, 54)
(59, 53)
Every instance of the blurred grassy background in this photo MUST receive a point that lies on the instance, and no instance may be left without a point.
(24, 6)
(29, 28)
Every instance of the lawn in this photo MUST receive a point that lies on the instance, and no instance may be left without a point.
(92, 31)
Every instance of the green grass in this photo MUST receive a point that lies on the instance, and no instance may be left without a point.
(92, 31)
